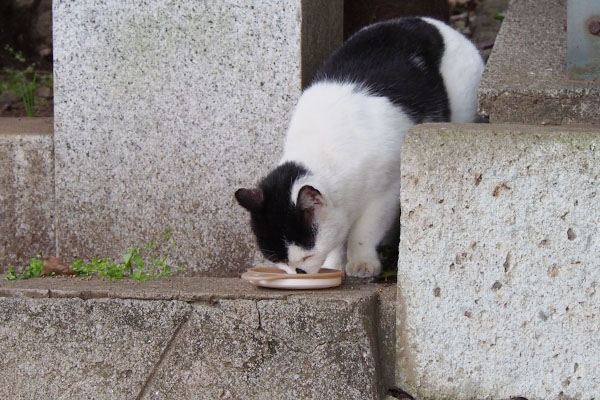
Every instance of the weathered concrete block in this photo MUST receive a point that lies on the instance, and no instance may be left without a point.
(499, 262)
(76, 349)
(164, 108)
(387, 335)
(191, 337)
(301, 348)
(526, 78)
(26, 190)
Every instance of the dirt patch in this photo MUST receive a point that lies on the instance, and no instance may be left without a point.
(42, 108)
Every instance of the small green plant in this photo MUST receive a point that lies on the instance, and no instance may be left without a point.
(141, 264)
(388, 255)
(22, 81)
(34, 269)
(28, 96)
(10, 275)
(389, 275)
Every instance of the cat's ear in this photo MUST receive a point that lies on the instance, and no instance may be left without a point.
(250, 199)
(310, 200)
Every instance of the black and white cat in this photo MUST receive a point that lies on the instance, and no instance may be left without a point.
(336, 191)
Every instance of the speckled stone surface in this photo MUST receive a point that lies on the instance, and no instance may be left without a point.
(301, 348)
(499, 263)
(386, 325)
(82, 349)
(191, 337)
(163, 109)
(26, 190)
(526, 80)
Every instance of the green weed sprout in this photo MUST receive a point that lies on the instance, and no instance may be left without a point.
(140, 264)
(20, 81)
(34, 269)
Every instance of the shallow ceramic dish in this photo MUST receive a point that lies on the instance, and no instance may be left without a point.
(272, 277)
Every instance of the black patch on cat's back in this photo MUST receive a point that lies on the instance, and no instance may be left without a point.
(398, 59)
(279, 221)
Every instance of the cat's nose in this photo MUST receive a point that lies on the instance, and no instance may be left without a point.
(300, 271)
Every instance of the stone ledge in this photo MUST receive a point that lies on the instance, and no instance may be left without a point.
(26, 126)
(192, 337)
(526, 80)
(180, 288)
(499, 262)
(26, 190)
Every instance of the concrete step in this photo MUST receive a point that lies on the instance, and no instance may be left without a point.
(201, 338)
(499, 262)
(526, 78)
(26, 190)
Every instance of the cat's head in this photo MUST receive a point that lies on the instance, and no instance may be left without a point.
(289, 219)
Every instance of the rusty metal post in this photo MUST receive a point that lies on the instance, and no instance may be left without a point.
(583, 39)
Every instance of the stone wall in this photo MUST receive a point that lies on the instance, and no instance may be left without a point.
(164, 109)
(526, 79)
(26, 190)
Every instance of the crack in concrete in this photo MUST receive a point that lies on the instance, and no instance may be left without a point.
(260, 328)
(349, 335)
(163, 356)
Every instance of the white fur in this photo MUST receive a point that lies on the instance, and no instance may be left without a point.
(351, 141)
(461, 68)
(330, 123)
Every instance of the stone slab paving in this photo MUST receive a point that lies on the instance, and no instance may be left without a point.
(499, 262)
(526, 80)
(193, 337)
(164, 108)
(26, 190)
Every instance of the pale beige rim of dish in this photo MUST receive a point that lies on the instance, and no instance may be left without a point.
(273, 277)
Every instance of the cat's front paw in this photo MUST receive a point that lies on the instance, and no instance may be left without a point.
(363, 269)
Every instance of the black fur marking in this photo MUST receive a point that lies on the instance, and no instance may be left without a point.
(399, 59)
(278, 221)
(250, 199)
